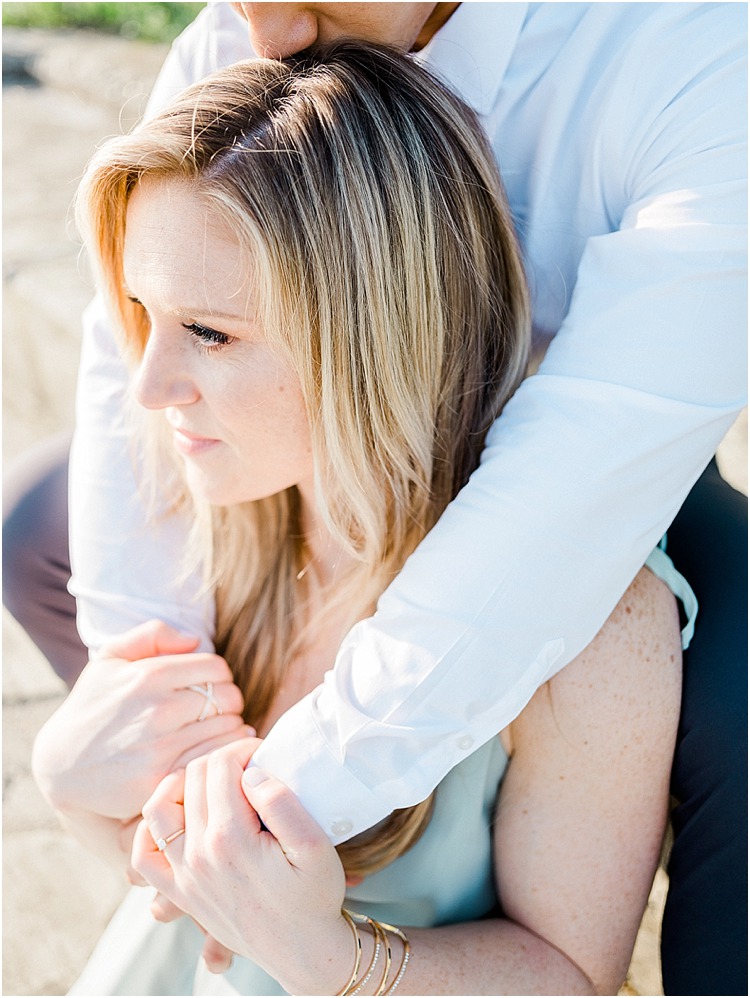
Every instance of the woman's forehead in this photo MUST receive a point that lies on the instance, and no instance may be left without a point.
(178, 247)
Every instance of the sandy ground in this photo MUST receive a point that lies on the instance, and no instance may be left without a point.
(56, 897)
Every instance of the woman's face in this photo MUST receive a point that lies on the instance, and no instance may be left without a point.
(235, 407)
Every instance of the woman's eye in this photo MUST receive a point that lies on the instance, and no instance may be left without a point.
(209, 339)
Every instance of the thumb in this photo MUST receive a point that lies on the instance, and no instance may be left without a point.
(299, 835)
(165, 910)
(147, 641)
(218, 958)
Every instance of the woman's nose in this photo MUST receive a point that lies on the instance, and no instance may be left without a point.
(279, 29)
(162, 379)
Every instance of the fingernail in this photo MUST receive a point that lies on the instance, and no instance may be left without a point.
(253, 777)
(219, 966)
(251, 732)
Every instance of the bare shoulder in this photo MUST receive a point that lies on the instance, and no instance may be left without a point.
(626, 680)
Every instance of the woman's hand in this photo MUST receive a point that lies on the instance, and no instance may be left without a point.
(132, 718)
(272, 895)
(217, 957)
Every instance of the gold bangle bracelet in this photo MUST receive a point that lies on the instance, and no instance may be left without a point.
(404, 958)
(402, 968)
(358, 952)
(380, 932)
(373, 963)
(388, 958)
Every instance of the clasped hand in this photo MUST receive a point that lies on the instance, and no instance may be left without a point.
(270, 891)
(132, 718)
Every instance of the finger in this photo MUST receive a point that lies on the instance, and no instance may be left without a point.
(176, 671)
(133, 877)
(126, 833)
(165, 910)
(228, 808)
(217, 957)
(241, 752)
(164, 815)
(183, 742)
(200, 701)
(196, 807)
(147, 641)
(150, 865)
(212, 744)
(298, 834)
(126, 836)
(171, 790)
(184, 735)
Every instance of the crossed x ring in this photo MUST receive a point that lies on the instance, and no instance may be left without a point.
(206, 691)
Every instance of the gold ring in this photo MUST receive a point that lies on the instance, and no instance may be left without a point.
(162, 843)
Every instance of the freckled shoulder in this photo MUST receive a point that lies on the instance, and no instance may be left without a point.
(627, 678)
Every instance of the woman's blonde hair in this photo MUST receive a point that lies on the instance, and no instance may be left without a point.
(387, 272)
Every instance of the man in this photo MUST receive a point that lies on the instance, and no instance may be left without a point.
(620, 135)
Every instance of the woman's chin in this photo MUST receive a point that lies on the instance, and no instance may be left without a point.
(207, 488)
(216, 492)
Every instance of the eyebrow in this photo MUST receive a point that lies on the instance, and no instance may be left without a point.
(191, 313)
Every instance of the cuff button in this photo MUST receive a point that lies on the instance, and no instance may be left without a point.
(341, 828)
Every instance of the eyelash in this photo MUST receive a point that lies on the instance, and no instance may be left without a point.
(208, 339)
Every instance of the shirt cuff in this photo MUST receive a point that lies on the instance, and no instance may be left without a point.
(297, 753)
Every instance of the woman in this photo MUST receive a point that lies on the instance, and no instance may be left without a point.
(318, 283)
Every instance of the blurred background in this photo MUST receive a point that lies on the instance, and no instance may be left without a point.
(74, 74)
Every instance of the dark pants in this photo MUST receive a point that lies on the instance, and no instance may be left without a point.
(36, 562)
(704, 934)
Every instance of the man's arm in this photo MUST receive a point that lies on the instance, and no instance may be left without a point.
(583, 472)
(580, 477)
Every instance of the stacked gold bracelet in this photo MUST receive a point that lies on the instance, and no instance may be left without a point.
(379, 932)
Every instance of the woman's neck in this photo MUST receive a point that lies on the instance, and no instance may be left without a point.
(315, 653)
(327, 560)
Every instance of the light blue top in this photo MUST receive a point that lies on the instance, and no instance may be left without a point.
(661, 565)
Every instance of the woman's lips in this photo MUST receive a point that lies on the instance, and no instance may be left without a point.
(191, 444)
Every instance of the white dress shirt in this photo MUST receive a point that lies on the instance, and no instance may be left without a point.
(620, 132)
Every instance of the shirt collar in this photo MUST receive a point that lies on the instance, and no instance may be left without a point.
(472, 50)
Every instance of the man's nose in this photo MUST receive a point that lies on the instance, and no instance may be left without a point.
(279, 29)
